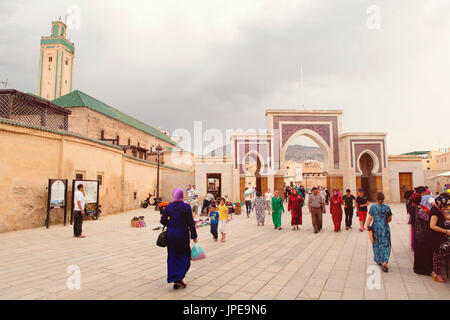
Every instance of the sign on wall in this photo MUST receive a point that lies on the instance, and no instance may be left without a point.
(57, 198)
(91, 196)
(90, 190)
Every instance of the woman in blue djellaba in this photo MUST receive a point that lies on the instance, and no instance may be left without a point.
(177, 217)
(381, 215)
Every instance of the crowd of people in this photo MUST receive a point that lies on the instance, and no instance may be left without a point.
(429, 231)
(427, 219)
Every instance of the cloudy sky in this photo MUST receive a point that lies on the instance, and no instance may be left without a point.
(171, 62)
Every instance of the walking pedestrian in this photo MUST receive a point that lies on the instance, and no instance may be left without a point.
(259, 204)
(362, 203)
(177, 217)
(336, 203)
(277, 209)
(381, 215)
(295, 203)
(268, 197)
(316, 207)
(349, 206)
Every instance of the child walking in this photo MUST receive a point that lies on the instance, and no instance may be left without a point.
(223, 219)
(214, 221)
(362, 203)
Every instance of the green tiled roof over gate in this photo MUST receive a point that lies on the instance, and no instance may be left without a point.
(79, 99)
(415, 153)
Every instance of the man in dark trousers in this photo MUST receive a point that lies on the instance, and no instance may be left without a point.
(79, 203)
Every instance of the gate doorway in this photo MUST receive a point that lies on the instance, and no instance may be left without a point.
(370, 183)
(214, 184)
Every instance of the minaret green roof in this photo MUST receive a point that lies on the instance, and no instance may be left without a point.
(79, 99)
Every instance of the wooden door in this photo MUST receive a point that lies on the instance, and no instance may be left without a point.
(405, 183)
(263, 185)
(279, 185)
(358, 184)
(335, 182)
(242, 189)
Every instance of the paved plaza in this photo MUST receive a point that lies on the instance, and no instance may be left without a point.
(119, 262)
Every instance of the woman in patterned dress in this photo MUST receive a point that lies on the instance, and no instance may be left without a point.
(259, 205)
(381, 215)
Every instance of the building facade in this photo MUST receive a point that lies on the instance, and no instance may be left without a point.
(351, 160)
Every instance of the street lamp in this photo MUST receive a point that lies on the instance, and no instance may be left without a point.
(159, 151)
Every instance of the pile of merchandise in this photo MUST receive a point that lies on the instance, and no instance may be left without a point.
(199, 223)
(138, 222)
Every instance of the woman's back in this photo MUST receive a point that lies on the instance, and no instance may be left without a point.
(178, 218)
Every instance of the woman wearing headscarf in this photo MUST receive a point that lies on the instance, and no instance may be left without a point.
(381, 215)
(423, 255)
(295, 203)
(438, 234)
(336, 203)
(259, 204)
(177, 217)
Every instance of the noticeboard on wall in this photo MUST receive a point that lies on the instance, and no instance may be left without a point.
(57, 197)
(90, 190)
(91, 196)
(57, 192)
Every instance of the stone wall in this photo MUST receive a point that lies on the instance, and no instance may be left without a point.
(30, 156)
(404, 163)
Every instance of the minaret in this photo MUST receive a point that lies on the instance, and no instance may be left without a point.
(56, 63)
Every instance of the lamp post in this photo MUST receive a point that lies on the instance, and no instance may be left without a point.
(159, 151)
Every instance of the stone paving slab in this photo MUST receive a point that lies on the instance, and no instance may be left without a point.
(119, 262)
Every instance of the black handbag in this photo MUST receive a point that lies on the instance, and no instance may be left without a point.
(162, 239)
(444, 251)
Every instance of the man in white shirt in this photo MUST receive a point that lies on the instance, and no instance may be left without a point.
(193, 200)
(248, 195)
(207, 203)
(268, 197)
(78, 212)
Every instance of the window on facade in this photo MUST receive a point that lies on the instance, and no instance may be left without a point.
(50, 59)
(67, 62)
(135, 195)
(49, 69)
(100, 179)
(66, 81)
(79, 176)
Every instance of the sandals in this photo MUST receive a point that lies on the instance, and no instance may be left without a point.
(179, 285)
(384, 268)
(436, 278)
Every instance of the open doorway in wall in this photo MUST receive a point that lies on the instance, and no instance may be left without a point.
(214, 184)
(368, 180)
(304, 162)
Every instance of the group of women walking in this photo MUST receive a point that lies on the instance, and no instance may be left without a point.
(428, 230)
(427, 218)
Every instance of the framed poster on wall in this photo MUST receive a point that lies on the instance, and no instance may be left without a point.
(57, 198)
(91, 191)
